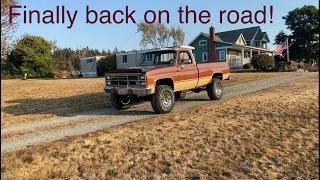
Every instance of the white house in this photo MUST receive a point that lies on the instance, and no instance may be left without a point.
(129, 59)
(89, 66)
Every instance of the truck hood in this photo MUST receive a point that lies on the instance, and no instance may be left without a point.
(140, 69)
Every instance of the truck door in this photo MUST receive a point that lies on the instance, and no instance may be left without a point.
(187, 71)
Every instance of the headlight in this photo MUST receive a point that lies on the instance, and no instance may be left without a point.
(142, 77)
(108, 83)
(108, 77)
(142, 83)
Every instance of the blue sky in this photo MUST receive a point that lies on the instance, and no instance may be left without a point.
(124, 36)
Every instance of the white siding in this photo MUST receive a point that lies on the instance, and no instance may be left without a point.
(132, 60)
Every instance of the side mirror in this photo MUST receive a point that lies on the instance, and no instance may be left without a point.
(186, 61)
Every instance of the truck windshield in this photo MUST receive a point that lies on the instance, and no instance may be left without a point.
(157, 57)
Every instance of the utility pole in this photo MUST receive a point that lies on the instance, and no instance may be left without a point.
(288, 50)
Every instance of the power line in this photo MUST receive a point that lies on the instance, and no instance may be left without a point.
(273, 25)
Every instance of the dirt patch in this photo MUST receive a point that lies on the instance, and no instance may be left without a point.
(25, 101)
(264, 135)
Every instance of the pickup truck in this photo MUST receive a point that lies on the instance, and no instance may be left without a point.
(164, 75)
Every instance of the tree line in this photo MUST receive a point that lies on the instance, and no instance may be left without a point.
(39, 57)
(303, 24)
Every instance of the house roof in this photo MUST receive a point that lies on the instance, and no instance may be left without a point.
(262, 35)
(233, 35)
(229, 36)
(92, 57)
(217, 38)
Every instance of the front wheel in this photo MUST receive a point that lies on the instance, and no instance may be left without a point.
(120, 102)
(214, 89)
(162, 100)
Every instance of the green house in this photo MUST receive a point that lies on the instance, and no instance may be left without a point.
(235, 47)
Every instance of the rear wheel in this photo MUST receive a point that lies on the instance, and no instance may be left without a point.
(162, 100)
(214, 89)
(120, 102)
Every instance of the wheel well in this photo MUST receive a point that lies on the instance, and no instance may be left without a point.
(166, 81)
(217, 75)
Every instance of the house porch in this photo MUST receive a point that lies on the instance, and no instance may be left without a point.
(237, 56)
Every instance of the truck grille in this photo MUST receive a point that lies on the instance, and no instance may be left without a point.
(126, 80)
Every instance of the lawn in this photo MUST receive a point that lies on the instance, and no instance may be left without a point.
(271, 134)
(30, 100)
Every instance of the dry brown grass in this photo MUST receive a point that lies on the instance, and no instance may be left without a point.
(25, 101)
(269, 134)
(30, 100)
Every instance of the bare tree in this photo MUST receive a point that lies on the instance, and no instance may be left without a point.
(7, 28)
(157, 35)
(177, 35)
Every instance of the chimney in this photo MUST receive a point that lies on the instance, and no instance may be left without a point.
(212, 45)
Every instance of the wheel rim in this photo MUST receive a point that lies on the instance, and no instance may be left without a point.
(218, 89)
(166, 100)
(125, 100)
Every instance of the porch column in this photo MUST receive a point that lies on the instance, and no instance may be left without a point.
(250, 53)
(259, 52)
(242, 55)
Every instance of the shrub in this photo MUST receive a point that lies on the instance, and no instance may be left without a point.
(106, 64)
(300, 66)
(31, 55)
(313, 69)
(291, 63)
(262, 62)
(281, 66)
(49, 75)
(247, 66)
(5, 74)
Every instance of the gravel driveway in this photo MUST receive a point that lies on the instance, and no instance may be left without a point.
(34, 136)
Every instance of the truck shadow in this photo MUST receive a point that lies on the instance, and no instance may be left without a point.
(74, 105)
(58, 106)
(85, 104)
(200, 99)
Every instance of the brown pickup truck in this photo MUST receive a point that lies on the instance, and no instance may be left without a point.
(163, 75)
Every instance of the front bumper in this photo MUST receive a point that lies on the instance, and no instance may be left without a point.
(141, 91)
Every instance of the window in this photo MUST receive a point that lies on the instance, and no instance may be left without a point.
(89, 60)
(157, 57)
(257, 44)
(202, 42)
(222, 55)
(204, 57)
(124, 59)
(183, 55)
(149, 57)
